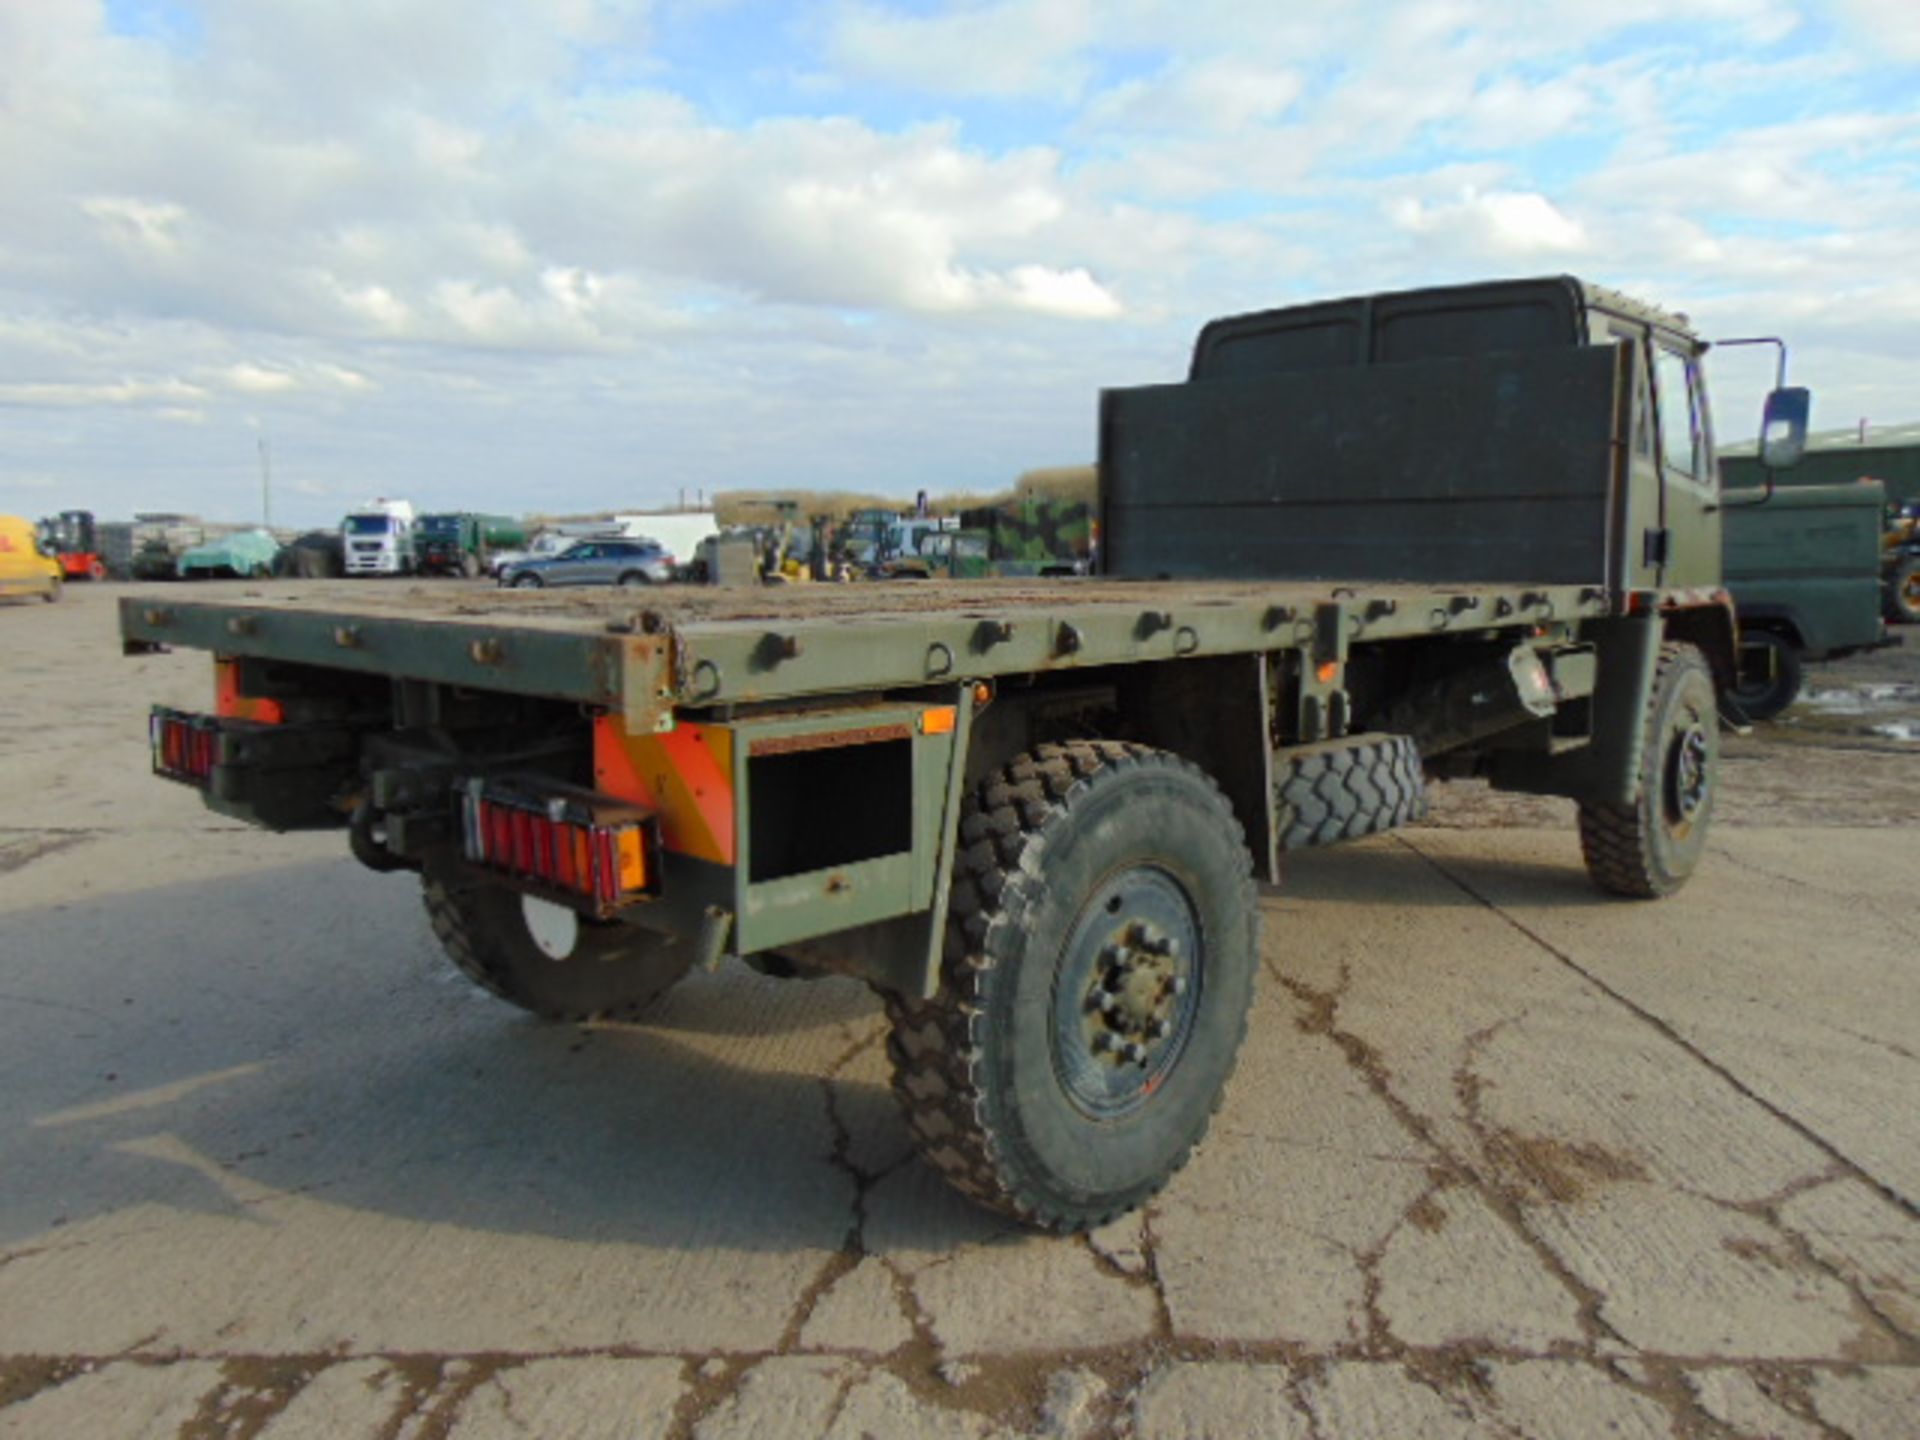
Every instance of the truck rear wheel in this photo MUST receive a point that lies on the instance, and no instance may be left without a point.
(614, 972)
(1762, 699)
(1099, 963)
(1649, 848)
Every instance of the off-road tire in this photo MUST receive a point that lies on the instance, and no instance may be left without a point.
(976, 1068)
(1766, 699)
(1900, 594)
(614, 973)
(1345, 790)
(1646, 849)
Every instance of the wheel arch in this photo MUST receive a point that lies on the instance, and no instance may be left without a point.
(1211, 712)
(1709, 627)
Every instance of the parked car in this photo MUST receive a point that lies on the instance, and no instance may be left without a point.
(596, 562)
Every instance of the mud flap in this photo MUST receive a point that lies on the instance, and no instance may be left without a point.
(1607, 771)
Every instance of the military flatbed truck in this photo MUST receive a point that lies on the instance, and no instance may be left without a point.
(1463, 532)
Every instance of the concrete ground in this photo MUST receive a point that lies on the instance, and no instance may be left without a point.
(1503, 1157)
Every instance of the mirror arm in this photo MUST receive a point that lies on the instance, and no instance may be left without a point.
(1747, 496)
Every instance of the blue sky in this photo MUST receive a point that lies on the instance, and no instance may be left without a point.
(574, 254)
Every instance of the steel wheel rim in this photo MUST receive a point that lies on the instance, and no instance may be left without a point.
(1689, 767)
(1126, 992)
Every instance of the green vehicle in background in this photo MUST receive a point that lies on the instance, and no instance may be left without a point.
(244, 555)
(1804, 569)
(462, 543)
(1030, 536)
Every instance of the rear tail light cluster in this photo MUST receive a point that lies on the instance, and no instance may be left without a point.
(185, 747)
(584, 849)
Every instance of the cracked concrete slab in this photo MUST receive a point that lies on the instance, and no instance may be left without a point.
(861, 1312)
(131, 1401)
(1865, 1237)
(1031, 1293)
(781, 1397)
(586, 1398)
(1870, 1402)
(1514, 1301)
(1219, 1400)
(1678, 1274)
(1286, 1259)
(354, 1400)
(1736, 1399)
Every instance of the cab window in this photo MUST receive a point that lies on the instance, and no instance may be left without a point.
(1680, 446)
(1642, 409)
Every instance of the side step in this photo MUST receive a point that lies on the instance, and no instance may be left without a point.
(1343, 789)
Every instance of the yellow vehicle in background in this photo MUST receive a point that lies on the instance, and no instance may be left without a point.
(24, 570)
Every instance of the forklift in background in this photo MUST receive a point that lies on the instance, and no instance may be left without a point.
(70, 539)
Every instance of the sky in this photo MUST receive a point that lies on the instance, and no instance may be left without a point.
(569, 255)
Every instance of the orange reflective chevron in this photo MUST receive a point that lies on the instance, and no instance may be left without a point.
(684, 776)
(230, 704)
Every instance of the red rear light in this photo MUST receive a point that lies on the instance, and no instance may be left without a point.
(583, 848)
(185, 747)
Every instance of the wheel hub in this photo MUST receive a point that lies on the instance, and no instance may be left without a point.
(1687, 785)
(1125, 998)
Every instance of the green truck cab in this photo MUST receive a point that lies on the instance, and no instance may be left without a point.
(462, 543)
(1366, 545)
(1804, 568)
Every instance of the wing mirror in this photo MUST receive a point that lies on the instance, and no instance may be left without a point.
(1783, 427)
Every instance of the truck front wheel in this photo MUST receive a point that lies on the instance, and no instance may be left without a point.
(1100, 951)
(1649, 848)
(613, 972)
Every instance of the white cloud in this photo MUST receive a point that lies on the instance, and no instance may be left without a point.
(251, 379)
(143, 224)
(62, 394)
(427, 239)
(1006, 48)
(1504, 223)
(1890, 27)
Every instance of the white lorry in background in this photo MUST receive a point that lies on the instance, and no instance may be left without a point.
(378, 538)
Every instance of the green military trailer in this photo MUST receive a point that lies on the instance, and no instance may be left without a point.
(1366, 544)
(1803, 564)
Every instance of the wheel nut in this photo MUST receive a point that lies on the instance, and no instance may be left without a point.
(1179, 986)
(1160, 1029)
(1136, 1052)
(1108, 1002)
(1105, 1040)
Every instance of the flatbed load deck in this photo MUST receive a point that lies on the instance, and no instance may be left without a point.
(611, 646)
(1030, 814)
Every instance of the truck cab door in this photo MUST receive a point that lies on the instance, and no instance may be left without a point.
(1688, 542)
(1638, 521)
